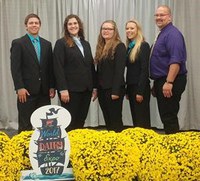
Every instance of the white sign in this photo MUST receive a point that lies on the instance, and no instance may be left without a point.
(49, 145)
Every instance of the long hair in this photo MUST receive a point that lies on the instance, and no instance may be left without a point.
(67, 35)
(138, 41)
(107, 49)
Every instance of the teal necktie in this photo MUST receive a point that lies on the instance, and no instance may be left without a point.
(36, 46)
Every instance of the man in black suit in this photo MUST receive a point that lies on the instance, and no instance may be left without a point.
(32, 71)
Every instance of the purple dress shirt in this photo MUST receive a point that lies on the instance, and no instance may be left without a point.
(169, 49)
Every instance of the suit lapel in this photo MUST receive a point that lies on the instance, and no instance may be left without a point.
(78, 50)
(86, 52)
(43, 50)
(30, 48)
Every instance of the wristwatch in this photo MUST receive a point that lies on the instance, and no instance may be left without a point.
(169, 82)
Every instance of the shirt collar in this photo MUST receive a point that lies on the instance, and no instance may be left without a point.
(32, 37)
(76, 38)
(166, 27)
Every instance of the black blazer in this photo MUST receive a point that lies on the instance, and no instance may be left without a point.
(111, 72)
(26, 71)
(73, 71)
(138, 72)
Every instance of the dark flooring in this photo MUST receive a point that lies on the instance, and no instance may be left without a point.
(10, 132)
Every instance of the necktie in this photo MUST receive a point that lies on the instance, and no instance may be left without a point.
(36, 46)
(78, 43)
(130, 47)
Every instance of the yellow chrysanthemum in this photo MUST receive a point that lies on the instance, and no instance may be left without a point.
(4, 139)
(17, 156)
(172, 157)
(134, 154)
(106, 156)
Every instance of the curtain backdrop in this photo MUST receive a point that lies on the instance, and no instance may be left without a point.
(186, 17)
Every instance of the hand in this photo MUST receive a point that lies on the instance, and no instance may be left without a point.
(52, 93)
(127, 97)
(139, 98)
(94, 94)
(114, 97)
(64, 96)
(167, 89)
(22, 95)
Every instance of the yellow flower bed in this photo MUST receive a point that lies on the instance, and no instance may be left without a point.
(140, 136)
(173, 157)
(134, 154)
(104, 156)
(4, 139)
(16, 157)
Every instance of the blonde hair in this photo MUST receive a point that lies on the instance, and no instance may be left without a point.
(138, 41)
(107, 49)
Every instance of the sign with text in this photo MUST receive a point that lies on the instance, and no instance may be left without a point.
(49, 146)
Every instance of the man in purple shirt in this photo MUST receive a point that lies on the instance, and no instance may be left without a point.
(168, 69)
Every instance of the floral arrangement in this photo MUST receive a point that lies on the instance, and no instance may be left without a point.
(172, 157)
(4, 139)
(140, 136)
(104, 156)
(134, 154)
(16, 157)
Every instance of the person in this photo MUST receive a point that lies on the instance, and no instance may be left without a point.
(111, 61)
(168, 69)
(137, 76)
(74, 71)
(32, 71)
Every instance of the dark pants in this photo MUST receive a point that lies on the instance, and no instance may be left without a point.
(169, 107)
(26, 109)
(112, 109)
(78, 107)
(140, 111)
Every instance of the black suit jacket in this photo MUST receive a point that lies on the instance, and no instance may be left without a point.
(138, 72)
(111, 72)
(26, 71)
(73, 71)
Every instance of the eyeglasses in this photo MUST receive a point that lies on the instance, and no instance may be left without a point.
(109, 29)
(160, 15)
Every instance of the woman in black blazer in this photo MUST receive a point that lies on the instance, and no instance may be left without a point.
(111, 61)
(74, 71)
(138, 84)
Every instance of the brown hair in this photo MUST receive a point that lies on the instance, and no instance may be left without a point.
(67, 36)
(103, 49)
(32, 15)
(167, 8)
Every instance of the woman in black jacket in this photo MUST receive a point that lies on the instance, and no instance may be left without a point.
(74, 71)
(111, 61)
(138, 84)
